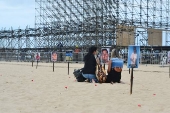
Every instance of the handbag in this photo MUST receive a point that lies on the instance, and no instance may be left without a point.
(117, 64)
(78, 75)
(101, 73)
(117, 69)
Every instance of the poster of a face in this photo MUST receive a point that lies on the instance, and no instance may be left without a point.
(169, 57)
(37, 56)
(53, 56)
(105, 55)
(133, 56)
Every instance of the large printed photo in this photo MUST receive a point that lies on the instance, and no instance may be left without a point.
(133, 56)
(54, 56)
(37, 56)
(169, 57)
(105, 55)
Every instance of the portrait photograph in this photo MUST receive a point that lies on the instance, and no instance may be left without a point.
(169, 57)
(133, 56)
(54, 56)
(105, 55)
(37, 56)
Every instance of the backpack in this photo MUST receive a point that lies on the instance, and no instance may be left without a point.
(78, 75)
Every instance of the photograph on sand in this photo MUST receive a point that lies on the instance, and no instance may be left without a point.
(105, 55)
(133, 56)
(169, 57)
(69, 55)
(37, 56)
(54, 56)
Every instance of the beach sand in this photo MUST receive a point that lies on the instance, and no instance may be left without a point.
(25, 89)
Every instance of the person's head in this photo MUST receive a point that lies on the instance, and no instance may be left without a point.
(134, 49)
(93, 50)
(105, 54)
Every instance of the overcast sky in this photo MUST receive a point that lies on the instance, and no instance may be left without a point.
(17, 13)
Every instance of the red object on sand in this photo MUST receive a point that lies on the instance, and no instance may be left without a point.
(66, 87)
(139, 105)
(69, 77)
(95, 84)
(32, 80)
(154, 94)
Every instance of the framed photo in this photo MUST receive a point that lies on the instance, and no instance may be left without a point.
(37, 56)
(69, 55)
(169, 57)
(133, 56)
(54, 56)
(105, 55)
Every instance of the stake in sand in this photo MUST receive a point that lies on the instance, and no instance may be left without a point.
(133, 61)
(37, 57)
(131, 81)
(53, 57)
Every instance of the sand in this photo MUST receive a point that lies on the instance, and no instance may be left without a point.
(25, 89)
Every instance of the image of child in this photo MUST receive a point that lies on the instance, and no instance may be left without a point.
(54, 56)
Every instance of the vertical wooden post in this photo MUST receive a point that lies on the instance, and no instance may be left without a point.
(37, 64)
(53, 66)
(32, 63)
(169, 70)
(131, 80)
(68, 68)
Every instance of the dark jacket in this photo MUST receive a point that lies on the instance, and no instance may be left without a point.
(90, 65)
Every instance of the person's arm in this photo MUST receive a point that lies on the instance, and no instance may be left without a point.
(109, 66)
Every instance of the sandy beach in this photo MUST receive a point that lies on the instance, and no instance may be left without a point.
(25, 89)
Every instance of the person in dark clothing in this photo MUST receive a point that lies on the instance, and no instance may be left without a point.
(114, 74)
(90, 65)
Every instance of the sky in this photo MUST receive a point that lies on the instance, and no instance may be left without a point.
(17, 14)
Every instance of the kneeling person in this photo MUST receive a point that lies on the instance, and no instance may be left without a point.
(90, 65)
(115, 66)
